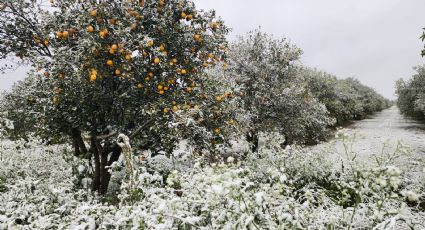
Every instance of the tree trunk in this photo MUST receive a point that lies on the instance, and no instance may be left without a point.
(96, 173)
(77, 151)
(286, 142)
(101, 176)
(104, 174)
(78, 142)
(253, 140)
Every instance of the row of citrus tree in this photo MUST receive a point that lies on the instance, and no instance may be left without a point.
(411, 94)
(161, 71)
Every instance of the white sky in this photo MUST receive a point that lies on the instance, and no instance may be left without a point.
(376, 41)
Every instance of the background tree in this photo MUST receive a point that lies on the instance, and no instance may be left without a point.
(411, 94)
(345, 99)
(266, 74)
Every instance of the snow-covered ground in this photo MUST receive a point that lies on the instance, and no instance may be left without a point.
(280, 189)
(380, 135)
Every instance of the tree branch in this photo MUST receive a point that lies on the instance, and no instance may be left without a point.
(131, 135)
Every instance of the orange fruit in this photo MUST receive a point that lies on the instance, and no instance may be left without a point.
(161, 92)
(183, 15)
(175, 108)
(166, 110)
(161, 47)
(134, 13)
(110, 62)
(90, 29)
(93, 77)
(112, 21)
(114, 47)
(161, 3)
(117, 72)
(93, 13)
(183, 71)
(156, 60)
(128, 57)
(215, 25)
(189, 17)
(160, 87)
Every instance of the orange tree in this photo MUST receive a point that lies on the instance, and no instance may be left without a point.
(121, 66)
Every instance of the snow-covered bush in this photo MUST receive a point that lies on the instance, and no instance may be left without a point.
(273, 189)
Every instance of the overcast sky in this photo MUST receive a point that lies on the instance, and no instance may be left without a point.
(376, 41)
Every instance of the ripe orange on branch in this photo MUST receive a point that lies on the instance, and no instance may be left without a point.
(157, 61)
(93, 77)
(93, 13)
(90, 29)
(59, 34)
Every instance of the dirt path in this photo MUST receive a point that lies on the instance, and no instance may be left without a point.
(390, 126)
(385, 128)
